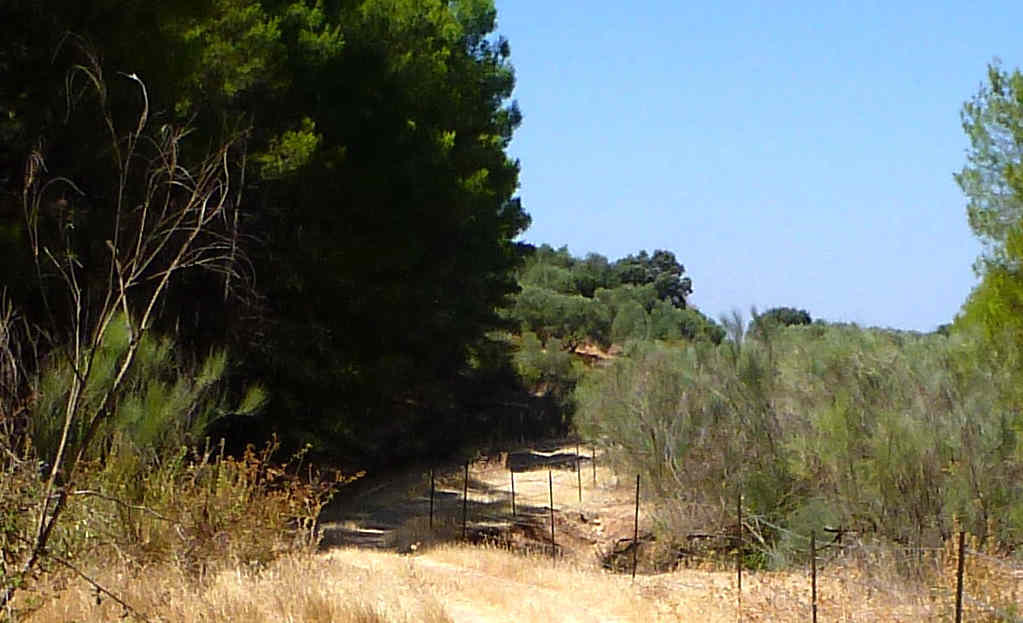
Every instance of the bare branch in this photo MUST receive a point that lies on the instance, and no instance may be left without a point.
(164, 219)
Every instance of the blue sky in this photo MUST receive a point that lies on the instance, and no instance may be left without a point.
(789, 153)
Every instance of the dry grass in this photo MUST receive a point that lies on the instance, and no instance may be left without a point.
(462, 583)
(361, 588)
(539, 589)
(442, 581)
(450, 584)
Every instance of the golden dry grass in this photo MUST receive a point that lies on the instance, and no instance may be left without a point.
(441, 581)
(357, 587)
(452, 583)
(462, 583)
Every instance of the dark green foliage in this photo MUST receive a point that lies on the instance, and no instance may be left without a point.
(778, 317)
(378, 214)
(389, 251)
(785, 316)
(592, 299)
(644, 296)
(549, 369)
(661, 269)
(572, 319)
(558, 270)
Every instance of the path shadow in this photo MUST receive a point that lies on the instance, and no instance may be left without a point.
(383, 514)
(529, 460)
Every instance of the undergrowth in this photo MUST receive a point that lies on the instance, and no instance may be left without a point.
(148, 489)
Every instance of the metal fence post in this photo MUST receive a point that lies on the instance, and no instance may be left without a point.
(579, 472)
(738, 556)
(465, 501)
(554, 543)
(813, 575)
(635, 532)
(512, 472)
(959, 576)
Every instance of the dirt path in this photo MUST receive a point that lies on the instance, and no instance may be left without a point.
(394, 512)
(493, 585)
(528, 595)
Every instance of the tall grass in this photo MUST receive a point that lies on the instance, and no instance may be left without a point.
(890, 434)
(150, 488)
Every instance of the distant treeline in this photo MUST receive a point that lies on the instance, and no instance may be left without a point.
(590, 299)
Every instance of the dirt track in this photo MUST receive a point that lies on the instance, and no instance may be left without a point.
(393, 512)
(492, 585)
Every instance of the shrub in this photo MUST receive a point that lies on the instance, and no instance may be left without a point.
(550, 370)
(891, 434)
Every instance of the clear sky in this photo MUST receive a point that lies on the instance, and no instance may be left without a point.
(790, 153)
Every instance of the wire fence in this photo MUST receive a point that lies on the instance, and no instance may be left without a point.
(983, 586)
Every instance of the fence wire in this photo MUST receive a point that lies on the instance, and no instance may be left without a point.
(834, 567)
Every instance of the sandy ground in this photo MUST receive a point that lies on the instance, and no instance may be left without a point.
(382, 561)
(392, 514)
(592, 508)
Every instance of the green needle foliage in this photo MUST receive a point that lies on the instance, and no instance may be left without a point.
(162, 404)
(992, 181)
(375, 214)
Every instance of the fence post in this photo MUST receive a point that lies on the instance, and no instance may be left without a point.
(635, 532)
(512, 472)
(433, 489)
(813, 575)
(738, 556)
(465, 501)
(959, 576)
(593, 460)
(554, 543)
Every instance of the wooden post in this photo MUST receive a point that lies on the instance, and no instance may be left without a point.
(635, 532)
(959, 576)
(593, 460)
(465, 501)
(554, 543)
(512, 472)
(433, 490)
(813, 575)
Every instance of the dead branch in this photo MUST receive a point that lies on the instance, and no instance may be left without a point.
(164, 219)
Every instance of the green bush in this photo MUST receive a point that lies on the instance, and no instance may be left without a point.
(162, 403)
(549, 370)
(895, 434)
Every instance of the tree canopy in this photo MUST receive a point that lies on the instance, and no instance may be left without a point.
(376, 224)
(992, 181)
(992, 178)
(640, 296)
